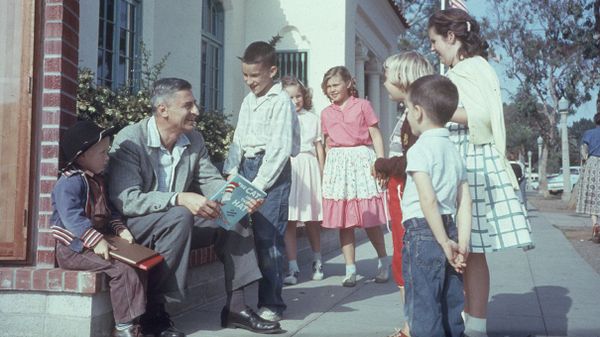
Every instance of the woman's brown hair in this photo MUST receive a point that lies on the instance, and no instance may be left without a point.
(465, 29)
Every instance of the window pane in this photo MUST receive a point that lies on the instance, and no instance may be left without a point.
(109, 36)
(110, 10)
(123, 14)
(101, 33)
(121, 74)
(102, 5)
(100, 71)
(108, 65)
(116, 42)
(123, 42)
(212, 51)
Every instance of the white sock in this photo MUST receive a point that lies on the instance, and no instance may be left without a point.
(465, 317)
(477, 324)
(350, 269)
(317, 257)
(383, 262)
(293, 266)
(123, 326)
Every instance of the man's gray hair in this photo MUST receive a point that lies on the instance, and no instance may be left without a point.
(164, 88)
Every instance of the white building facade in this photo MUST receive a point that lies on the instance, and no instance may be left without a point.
(204, 39)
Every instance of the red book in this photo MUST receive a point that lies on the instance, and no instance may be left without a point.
(133, 254)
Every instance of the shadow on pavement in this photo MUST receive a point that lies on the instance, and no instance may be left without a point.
(521, 314)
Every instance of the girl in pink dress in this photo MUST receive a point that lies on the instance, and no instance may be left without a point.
(305, 192)
(352, 197)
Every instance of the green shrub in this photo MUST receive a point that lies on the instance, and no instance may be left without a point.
(123, 107)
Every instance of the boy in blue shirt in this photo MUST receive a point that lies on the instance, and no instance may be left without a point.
(435, 250)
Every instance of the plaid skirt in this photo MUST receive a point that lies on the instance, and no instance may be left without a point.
(588, 201)
(499, 219)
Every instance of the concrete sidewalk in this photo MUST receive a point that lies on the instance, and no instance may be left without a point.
(547, 291)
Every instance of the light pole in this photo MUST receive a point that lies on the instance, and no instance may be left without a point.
(540, 143)
(529, 175)
(563, 108)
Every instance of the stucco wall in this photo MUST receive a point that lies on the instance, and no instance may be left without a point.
(175, 27)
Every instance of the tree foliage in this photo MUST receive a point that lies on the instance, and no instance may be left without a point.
(417, 14)
(551, 52)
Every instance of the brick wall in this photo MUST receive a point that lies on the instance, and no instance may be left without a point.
(59, 92)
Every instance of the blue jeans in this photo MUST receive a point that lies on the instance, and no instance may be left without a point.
(269, 224)
(433, 290)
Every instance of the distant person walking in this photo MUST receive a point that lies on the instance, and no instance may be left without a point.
(588, 201)
(499, 220)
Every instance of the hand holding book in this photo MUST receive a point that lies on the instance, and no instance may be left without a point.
(237, 198)
(199, 205)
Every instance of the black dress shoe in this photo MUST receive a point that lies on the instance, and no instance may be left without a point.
(249, 320)
(159, 325)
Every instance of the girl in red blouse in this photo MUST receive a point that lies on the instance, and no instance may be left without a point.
(352, 197)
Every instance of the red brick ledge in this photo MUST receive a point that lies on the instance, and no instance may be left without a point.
(73, 281)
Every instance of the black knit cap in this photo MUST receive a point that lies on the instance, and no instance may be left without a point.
(80, 137)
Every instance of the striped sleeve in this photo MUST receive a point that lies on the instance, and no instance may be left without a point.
(91, 237)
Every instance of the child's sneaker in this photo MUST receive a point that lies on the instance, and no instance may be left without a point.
(349, 281)
(291, 278)
(317, 268)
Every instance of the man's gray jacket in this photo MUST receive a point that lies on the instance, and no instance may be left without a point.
(132, 172)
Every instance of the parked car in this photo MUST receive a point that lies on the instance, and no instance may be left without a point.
(555, 181)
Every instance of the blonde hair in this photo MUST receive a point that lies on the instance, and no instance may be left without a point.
(405, 68)
(344, 73)
(288, 80)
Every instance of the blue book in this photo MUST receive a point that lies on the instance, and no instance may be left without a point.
(233, 198)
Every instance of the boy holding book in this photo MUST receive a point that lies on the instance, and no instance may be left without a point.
(82, 215)
(435, 251)
(266, 135)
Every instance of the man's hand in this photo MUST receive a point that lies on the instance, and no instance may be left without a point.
(102, 248)
(126, 235)
(254, 204)
(199, 205)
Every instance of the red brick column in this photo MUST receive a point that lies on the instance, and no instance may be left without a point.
(60, 60)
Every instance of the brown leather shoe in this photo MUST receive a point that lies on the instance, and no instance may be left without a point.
(133, 331)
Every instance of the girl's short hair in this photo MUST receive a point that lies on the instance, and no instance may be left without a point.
(465, 29)
(405, 68)
(287, 81)
(344, 73)
(597, 118)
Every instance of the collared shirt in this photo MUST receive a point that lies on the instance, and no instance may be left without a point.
(269, 125)
(310, 131)
(348, 126)
(167, 160)
(436, 155)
